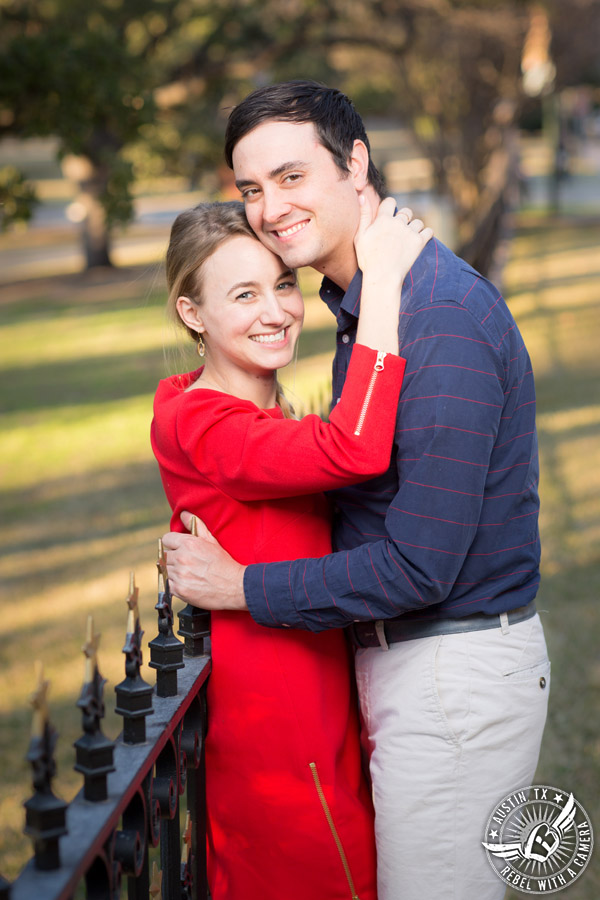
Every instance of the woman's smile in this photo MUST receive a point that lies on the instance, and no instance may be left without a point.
(270, 338)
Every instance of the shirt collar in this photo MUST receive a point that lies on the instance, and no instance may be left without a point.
(335, 298)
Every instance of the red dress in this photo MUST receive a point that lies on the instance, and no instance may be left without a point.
(289, 813)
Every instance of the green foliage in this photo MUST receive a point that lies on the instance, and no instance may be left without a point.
(138, 87)
(17, 198)
(67, 70)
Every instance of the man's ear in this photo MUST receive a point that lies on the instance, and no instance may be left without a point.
(189, 313)
(359, 165)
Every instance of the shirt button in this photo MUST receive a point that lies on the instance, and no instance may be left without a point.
(345, 338)
(542, 682)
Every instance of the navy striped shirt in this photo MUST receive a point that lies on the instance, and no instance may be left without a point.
(452, 527)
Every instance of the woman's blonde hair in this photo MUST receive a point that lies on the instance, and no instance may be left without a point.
(195, 235)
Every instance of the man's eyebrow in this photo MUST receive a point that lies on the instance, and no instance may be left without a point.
(286, 166)
(274, 173)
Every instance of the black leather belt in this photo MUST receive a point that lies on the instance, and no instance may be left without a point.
(391, 631)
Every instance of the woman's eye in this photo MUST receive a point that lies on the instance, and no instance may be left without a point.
(246, 295)
(286, 285)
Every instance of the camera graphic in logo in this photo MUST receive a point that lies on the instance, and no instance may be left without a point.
(540, 839)
(542, 842)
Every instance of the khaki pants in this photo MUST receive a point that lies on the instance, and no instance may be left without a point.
(452, 724)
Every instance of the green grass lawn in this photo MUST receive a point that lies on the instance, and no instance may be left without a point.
(82, 503)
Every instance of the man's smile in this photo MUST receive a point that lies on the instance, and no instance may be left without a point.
(293, 229)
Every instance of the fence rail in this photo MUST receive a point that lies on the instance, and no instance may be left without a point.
(102, 843)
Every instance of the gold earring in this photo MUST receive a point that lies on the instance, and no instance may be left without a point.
(200, 346)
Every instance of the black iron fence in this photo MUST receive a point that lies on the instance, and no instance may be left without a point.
(125, 833)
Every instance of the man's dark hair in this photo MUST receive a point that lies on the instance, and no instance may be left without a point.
(335, 119)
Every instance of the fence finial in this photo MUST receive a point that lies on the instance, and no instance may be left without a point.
(94, 751)
(90, 650)
(166, 651)
(45, 814)
(134, 695)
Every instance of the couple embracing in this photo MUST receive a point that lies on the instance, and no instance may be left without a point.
(412, 582)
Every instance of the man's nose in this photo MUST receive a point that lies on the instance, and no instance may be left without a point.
(275, 204)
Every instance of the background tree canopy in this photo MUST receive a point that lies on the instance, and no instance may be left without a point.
(138, 88)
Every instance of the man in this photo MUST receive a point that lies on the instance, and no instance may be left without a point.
(437, 562)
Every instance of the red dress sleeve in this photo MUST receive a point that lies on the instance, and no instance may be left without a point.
(250, 455)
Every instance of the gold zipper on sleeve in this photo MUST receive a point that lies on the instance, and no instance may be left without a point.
(332, 828)
(378, 367)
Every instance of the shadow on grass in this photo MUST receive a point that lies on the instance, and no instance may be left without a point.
(76, 528)
(555, 393)
(532, 223)
(109, 492)
(101, 379)
(88, 293)
(539, 285)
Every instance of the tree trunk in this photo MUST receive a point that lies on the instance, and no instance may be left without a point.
(94, 232)
(91, 180)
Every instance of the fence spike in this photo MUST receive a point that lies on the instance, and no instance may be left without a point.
(166, 651)
(45, 814)
(186, 839)
(132, 603)
(39, 701)
(94, 751)
(134, 695)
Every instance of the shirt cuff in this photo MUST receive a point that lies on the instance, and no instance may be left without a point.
(273, 608)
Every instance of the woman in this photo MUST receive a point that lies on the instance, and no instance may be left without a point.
(289, 815)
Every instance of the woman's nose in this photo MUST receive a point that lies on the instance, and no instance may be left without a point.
(272, 312)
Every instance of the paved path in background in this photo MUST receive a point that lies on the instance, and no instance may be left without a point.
(579, 191)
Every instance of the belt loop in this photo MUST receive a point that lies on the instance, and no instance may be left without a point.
(380, 632)
(504, 622)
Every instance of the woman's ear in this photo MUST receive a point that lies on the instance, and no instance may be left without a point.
(359, 165)
(189, 313)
